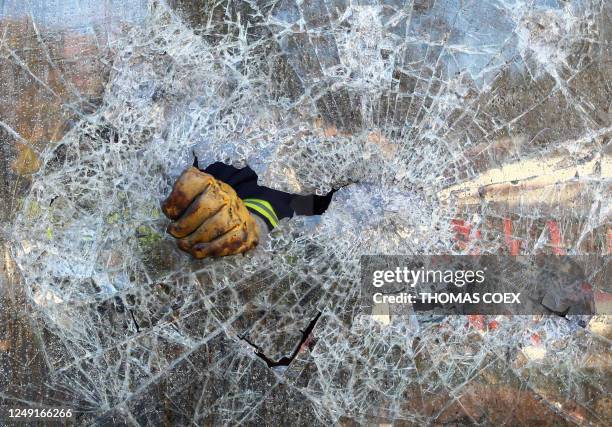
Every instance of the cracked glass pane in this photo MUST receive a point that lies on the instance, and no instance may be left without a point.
(441, 127)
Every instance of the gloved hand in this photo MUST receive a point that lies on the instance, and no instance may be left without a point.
(209, 217)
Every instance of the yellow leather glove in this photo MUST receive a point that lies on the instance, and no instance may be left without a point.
(209, 218)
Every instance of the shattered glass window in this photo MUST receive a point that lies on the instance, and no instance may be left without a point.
(445, 127)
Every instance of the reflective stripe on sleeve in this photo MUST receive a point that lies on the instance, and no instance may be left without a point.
(263, 207)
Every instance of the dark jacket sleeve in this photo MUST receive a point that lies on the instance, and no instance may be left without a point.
(259, 200)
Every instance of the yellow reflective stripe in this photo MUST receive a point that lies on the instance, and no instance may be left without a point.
(264, 212)
(264, 208)
(264, 204)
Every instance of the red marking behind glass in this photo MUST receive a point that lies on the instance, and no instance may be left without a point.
(513, 244)
(555, 237)
(463, 229)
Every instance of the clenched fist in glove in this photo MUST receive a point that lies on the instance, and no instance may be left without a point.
(209, 218)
